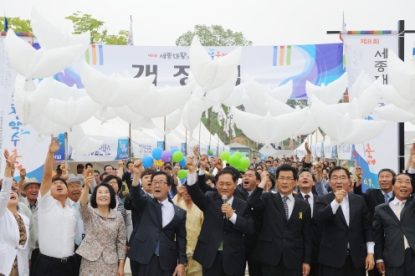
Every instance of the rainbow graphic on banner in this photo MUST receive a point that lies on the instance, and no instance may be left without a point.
(369, 32)
(281, 56)
(19, 34)
(94, 55)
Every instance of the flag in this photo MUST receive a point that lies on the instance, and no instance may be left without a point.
(413, 51)
(232, 127)
(6, 24)
(221, 115)
(130, 33)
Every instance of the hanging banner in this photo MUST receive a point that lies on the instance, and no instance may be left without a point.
(112, 149)
(369, 52)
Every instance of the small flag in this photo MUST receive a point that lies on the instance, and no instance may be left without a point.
(6, 24)
(130, 33)
(413, 51)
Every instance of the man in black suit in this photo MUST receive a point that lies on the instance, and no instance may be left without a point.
(394, 231)
(306, 183)
(347, 243)
(220, 247)
(159, 245)
(285, 243)
(254, 163)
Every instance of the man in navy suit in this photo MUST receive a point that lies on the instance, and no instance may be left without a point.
(159, 245)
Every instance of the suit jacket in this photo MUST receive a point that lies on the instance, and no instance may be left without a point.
(373, 197)
(111, 244)
(389, 231)
(291, 239)
(9, 236)
(150, 232)
(336, 233)
(216, 229)
(239, 192)
(135, 215)
(317, 229)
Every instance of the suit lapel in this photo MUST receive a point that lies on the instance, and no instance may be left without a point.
(380, 197)
(157, 206)
(295, 210)
(339, 211)
(391, 213)
(352, 208)
(280, 206)
(407, 203)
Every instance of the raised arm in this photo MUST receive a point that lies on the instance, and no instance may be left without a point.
(120, 172)
(137, 195)
(255, 200)
(47, 168)
(22, 178)
(7, 182)
(201, 177)
(194, 191)
(85, 191)
(308, 155)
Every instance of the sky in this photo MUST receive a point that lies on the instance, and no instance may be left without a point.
(264, 22)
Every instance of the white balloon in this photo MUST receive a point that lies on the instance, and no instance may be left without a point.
(105, 114)
(282, 93)
(160, 102)
(309, 126)
(63, 92)
(275, 107)
(32, 63)
(389, 93)
(173, 120)
(267, 150)
(330, 94)
(250, 107)
(393, 113)
(256, 93)
(208, 73)
(44, 126)
(235, 99)
(360, 85)
(126, 114)
(51, 37)
(81, 143)
(113, 91)
(402, 76)
(219, 94)
(30, 105)
(71, 113)
(360, 131)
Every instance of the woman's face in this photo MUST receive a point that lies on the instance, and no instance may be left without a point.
(13, 201)
(103, 196)
(114, 184)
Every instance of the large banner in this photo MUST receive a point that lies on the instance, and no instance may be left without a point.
(369, 53)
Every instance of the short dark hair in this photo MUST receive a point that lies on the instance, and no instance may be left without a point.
(88, 165)
(334, 163)
(286, 168)
(147, 172)
(61, 179)
(254, 157)
(222, 172)
(111, 177)
(113, 201)
(268, 161)
(257, 175)
(272, 178)
(128, 162)
(105, 167)
(407, 174)
(234, 171)
(80, 166)
(389, 171)
(161, 173)
(96, 171)
(207, 177)
(101, 177)
(337, 168)
(307, 170)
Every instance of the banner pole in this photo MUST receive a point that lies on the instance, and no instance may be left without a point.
(130, 153)
(401, 126)
(66, 150)
(164, 133)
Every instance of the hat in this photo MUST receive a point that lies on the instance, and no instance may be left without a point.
(75, 179)
(28, 181)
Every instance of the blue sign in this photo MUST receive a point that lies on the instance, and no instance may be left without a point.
(122, 149)
(160, 144)
(60, 154)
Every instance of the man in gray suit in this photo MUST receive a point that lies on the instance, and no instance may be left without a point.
(394, 231)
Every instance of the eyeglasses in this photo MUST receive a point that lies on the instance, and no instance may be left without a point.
(160, 183)
(285, 179)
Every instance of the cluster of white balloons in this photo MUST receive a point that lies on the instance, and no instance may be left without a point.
(52, 107)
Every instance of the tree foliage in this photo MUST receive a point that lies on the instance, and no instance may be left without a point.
(214, 35)
(99, 33)
(16, 24)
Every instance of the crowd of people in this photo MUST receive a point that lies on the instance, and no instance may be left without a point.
(282, 216)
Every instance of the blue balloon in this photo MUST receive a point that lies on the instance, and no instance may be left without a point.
(174, 150)
(183, 180)
(183, 162)
(157, 153)
(147, 162)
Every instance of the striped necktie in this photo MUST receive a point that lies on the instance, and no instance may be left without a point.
(284, 201)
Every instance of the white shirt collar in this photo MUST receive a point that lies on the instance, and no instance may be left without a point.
(164, 202)
(395, 201)
(310, 194)
(290, 196)
(71, 201)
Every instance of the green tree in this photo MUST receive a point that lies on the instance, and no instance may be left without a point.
(16, 24)
(214, 35)
(99, 33)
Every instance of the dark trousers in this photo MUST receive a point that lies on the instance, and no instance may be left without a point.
(374, 272)
(280, 270)
(348, 269)
(77, 261)
(134, 266)
(254, 266)
(217, 267)
(314, 269)
(152, 268)
(35, 254)
(48, 266)
(408, 267)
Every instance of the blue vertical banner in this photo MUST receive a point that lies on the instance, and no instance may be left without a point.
(183, 148)
(60, 154)
(122, 149)
(160, 144)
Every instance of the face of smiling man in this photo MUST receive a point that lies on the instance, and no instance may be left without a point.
(58, 190)
(74, 191)
(402, 187)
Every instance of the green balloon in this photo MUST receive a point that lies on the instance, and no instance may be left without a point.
(182, 174)
(238, 154)
(244, 163)
(210, 152)
(224, 155)
(177, 156)
(233, 161)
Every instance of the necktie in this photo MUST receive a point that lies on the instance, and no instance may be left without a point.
(405, 241)
(306, 197)
(78, 238)
(284, 201)
(157, 251)
(386, 198)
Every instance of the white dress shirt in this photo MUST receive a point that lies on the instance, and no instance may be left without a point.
(310, 200)
(57, 227)
(192, 179)
(167, 212)
(290, 203)
(346, 212)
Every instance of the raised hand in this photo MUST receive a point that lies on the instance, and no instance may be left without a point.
(196, 151)
(219, 164)
(54, 145)
(340, 195)
(412, 150)
(307, 149)
(264, 175)
(88, 180)
(190, 164)
(359, 172)
(138, 167)
(23, 173)
(120, 164)
(63, 167)
(10, 159)
(88, 172)
(203, 162)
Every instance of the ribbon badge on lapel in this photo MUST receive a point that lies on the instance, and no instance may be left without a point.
(300, 215)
